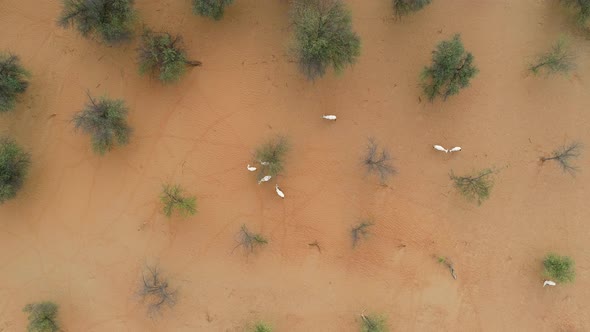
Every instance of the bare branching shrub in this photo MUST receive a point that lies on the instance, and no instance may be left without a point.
(155, 291)
(474, 187)
(249, 241)
(564, 155)
(13, 81)
(111, 20)
(163, 56)
(378, 161)
(449, 264)
(558, 60)
(359, 232)
(42, 317)
(173, 199)
(106, 121)
(271, 156)
(373, 323)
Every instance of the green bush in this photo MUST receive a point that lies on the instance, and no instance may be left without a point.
(558, 60)
(111, 20)
(582, 8)
(474, 187)
(42, 317)
(106, 121)
(373, 324)
(14, 166)
(559, 268)
(261, 327)
(162, 55)
(211, 8)
(173, 199)
(406, 7)
(324, 36)
(249, 240)
(451, 70)
(13, 81)
(271, 156)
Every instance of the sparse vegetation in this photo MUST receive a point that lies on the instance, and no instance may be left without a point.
(451, 70)
(106, 121)
(261, 327)
(406, 7)
(378, 161)
(211, 8)
(271, 156)
(564, 156)
(156, 291)
(582, 9)
(162, 55)
(449, 265)
(111, 20)
(42, 317)
(324, 37)
(173, 199)
(249, 241)
(560, 269)
(373, 323)
(558, 60)
(475, 187)
(14, 166)
(13, 81)
(359, 232)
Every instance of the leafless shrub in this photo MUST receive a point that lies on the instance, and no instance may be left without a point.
(378, 161)
(155, 291)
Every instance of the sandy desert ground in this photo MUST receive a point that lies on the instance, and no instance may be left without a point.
(84, 226)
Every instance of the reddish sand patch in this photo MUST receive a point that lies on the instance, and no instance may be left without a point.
(83, 226)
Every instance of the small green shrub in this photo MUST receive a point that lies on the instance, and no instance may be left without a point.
(474, 187)
(582, 8)
(106, 121)
(249, 240)
(406, 7)
(162, 55)
(373, 324)
(13, 81)
(173, 199)
(111, 20)
(271, 156)
(261, 327)
(558, 60)
(324, 36)
(359, 232)
(42, 317)
(211, 8)
(14, 166)
(451, 70)
(559, 268)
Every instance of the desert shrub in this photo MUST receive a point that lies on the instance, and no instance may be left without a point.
(564, 155)
(582, 9)
(271, 156)
(156, 291)
(249, 241)
(558, 60)
(323, 36)
(261, 327)
(111, 20)
(559, 268)
(406, 7)
(378, 161)
(42, 317)
(373, 323)
(162, 55)
(14, 166)
(359, 232)
(474, 187)
(13, 81)
(211, 8)
(105, 120)
(173, 199)
(451, 70)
